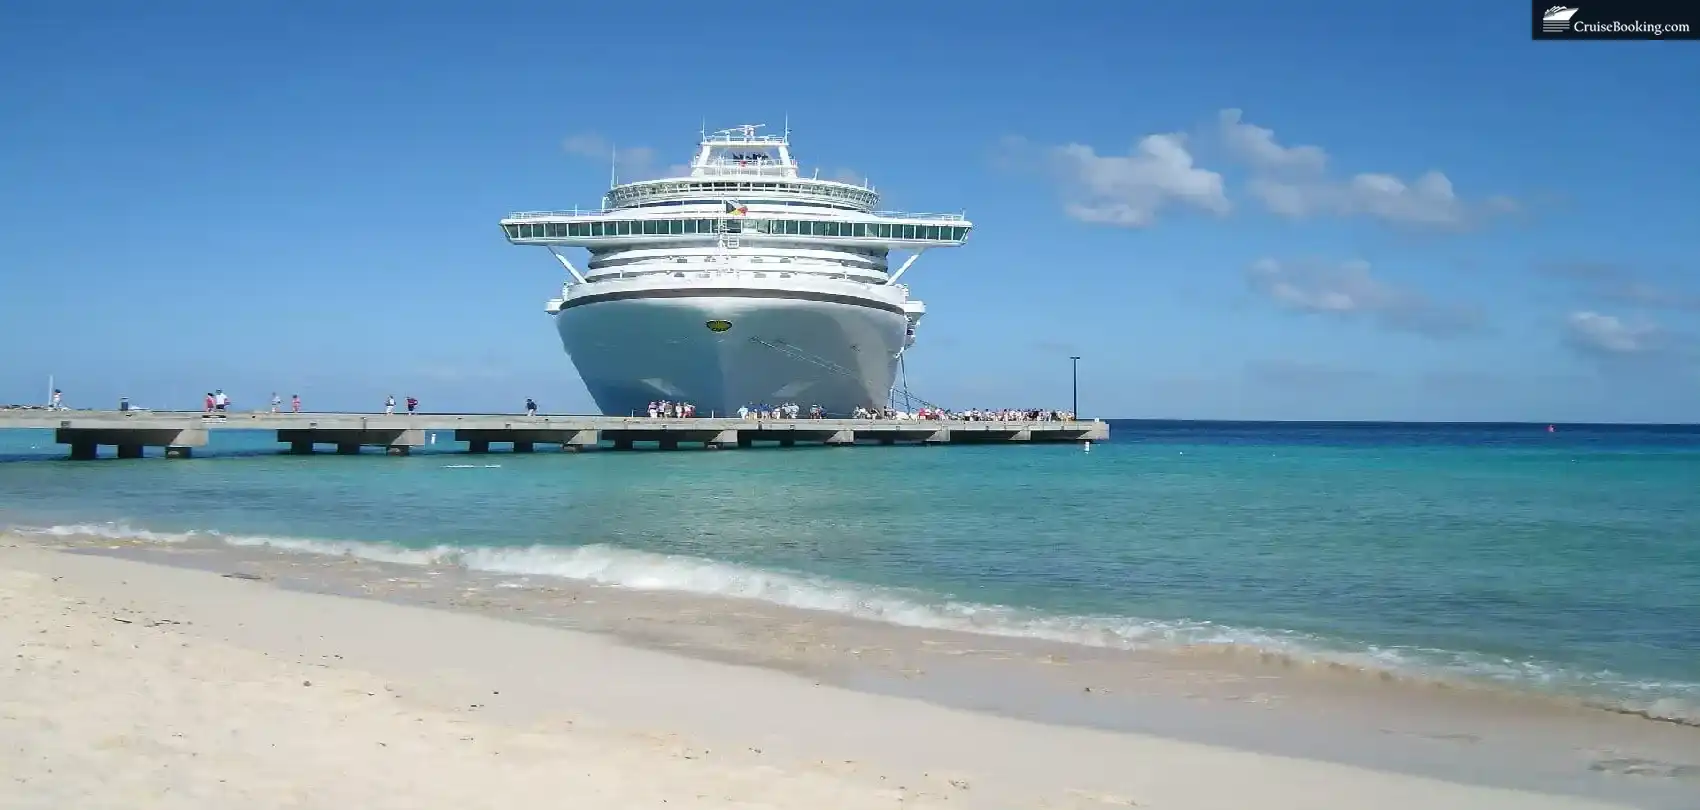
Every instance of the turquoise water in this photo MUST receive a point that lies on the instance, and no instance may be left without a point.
(1565, 561)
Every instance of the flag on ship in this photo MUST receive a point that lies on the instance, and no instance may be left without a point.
(736, 208)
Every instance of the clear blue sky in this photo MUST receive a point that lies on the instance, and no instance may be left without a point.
(303, 197)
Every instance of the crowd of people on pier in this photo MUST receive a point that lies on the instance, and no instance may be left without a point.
(997, 415)
(789, 410)
(930, 413)
(663, 409)
(217, 403)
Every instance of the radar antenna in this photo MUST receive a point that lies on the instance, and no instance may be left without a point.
(745, 131)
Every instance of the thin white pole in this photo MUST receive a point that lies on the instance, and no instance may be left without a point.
(50, 389)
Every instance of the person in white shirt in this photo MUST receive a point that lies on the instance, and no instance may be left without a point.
(389, 405)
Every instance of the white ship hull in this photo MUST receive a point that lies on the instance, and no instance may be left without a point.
(778, 346)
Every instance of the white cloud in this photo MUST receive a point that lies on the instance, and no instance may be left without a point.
(632, 162)
(1293, 181)
(844, 175)
(1633, 346)
(1641, 293)
(1620, 284)
(1257, 146)
(1595, 333)
(1350, 290)
(586, 145)
(1127, 190)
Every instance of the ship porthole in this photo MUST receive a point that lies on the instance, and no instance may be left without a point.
(719, 325)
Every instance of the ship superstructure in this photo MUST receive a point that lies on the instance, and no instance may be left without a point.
(744, 283)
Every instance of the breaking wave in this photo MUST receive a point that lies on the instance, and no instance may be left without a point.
(1676, 702)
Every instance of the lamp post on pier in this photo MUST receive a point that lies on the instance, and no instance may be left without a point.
(1074, 360)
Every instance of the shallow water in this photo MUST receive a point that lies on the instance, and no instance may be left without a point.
(1558, 562)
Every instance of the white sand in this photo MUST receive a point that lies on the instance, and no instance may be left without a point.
(138, 686)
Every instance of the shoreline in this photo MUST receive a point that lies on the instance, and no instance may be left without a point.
(699, 582)
(1215, 703)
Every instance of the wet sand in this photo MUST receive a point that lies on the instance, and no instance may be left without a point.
(1024, 723)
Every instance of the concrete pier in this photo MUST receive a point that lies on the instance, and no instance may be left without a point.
(130, 432)
(396, 440)
(175, 435)
(526, 437)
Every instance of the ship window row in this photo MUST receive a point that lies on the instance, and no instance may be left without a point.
(772, 227)
(861, 196)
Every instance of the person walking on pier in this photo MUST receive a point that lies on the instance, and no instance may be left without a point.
(389, 405)
(277, 403)
(57, 402)
(221, 400)
(411, 404)
(207, 404)
(295, 403)
(530, 406)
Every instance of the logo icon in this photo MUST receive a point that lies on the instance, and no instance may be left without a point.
(1556, 20)
(719, 325)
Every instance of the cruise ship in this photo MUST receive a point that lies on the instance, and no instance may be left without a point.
(743, 283)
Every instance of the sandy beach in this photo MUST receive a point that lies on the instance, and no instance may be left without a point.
(148, 686)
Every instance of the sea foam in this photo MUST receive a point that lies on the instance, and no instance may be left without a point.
(641, 570)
